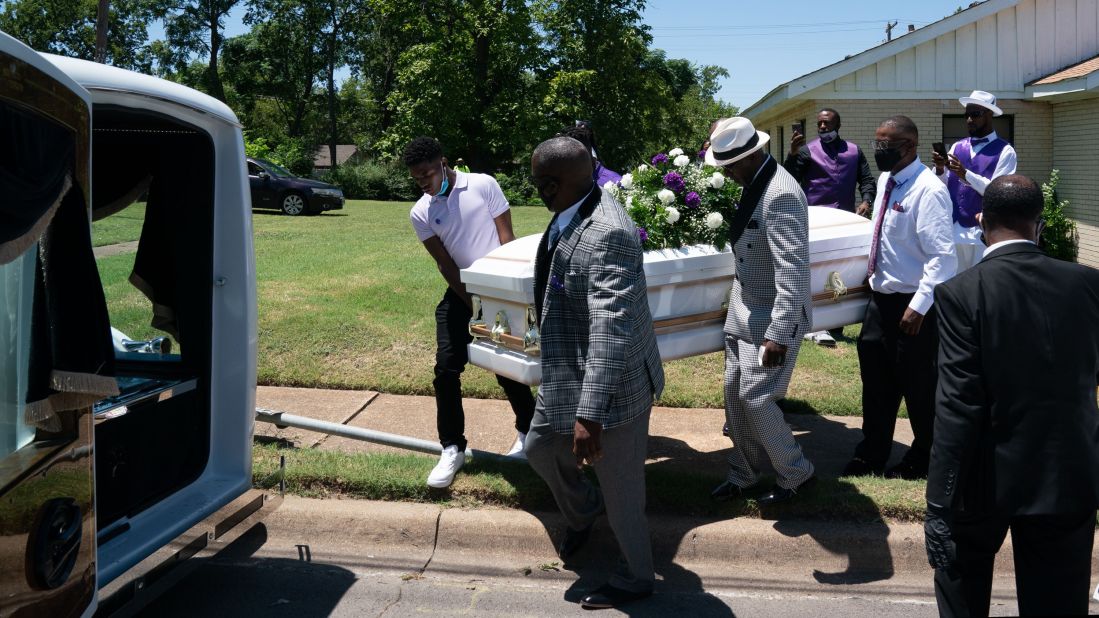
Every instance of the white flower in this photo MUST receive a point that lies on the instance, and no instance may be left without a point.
(626, 182)
(675, 152)
(717, 180)
(666, 197)
(642, 167)
(681, 161)
(609, 185)
(671, 215)
(714, 220)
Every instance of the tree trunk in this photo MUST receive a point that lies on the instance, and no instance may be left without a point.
(332, 112)
(213, 77)
(102, 19)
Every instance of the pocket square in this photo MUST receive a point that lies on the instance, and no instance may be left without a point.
(753, 224)
(897, 207)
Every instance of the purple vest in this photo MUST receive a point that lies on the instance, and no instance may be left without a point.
(603, 175)
(830, 180)
(967, 202)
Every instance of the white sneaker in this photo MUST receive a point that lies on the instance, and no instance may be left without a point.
(449, 463)
(822, 338)
(517, 448)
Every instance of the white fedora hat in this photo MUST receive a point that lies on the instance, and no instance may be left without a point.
(732, 140)
(986, 100)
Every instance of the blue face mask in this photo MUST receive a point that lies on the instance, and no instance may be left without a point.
(446, 182)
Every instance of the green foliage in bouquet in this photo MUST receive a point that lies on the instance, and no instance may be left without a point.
(676, 201)
(1059, 236)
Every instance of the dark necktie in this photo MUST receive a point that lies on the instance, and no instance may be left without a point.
(976, 142)
(875, 242)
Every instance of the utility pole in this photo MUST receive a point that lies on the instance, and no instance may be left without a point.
(101, 19)
(889, 30)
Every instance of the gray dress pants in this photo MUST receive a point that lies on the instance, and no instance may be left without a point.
(621, 490)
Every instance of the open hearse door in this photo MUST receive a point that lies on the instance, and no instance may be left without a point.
(127, 384)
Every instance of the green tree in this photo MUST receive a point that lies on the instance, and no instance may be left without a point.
(67, 28)
(602, 70)
(195, 27)
(467, 78)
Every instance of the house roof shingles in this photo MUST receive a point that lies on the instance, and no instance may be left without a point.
(343, 153)
(1079, 69)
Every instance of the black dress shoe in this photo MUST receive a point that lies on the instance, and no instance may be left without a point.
(607, 596)
(860, 467)
(573, 541)
(907, 470)
(727, 491)
(780, 494)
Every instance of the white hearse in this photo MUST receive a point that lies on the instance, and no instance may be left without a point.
(111, 449)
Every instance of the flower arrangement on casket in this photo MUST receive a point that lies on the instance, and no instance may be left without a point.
(682, 211)
(676, 201)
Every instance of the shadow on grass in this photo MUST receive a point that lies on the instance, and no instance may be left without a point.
(833, 511)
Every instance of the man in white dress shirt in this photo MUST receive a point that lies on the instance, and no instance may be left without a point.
(911, 251)
(973, 163)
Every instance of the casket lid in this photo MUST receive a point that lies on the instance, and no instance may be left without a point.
(507, 267)
(832, 229)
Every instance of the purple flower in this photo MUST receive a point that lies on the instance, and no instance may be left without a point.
(555, 283)
(693, 200)
(674, 181)
(643, 234)
(702, 155)
(660, 159)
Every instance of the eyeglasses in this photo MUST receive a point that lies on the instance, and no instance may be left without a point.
(887, 145)
(976, 113)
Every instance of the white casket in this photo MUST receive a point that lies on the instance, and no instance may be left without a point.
(688, 291)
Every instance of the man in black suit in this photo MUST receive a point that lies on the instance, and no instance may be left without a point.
(1016, 442)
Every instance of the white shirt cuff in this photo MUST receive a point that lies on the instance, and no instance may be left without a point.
(921, 303)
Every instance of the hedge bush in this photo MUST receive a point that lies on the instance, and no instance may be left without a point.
(1059, 238)
(373, 181)
(518, 189)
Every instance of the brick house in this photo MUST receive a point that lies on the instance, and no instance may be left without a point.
(1039, 57)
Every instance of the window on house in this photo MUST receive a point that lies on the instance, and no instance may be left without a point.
(954, 128)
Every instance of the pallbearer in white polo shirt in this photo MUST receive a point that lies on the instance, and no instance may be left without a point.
(459, 218)
(973, 163)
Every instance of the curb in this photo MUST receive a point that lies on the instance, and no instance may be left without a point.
(844, 548)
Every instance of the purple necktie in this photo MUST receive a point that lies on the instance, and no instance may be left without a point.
(975, 142)
(875, 242)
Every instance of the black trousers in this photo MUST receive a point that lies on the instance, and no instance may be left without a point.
(451, 356)
(1052, 564)
(895, 365)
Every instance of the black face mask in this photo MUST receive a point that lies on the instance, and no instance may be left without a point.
(887, 159)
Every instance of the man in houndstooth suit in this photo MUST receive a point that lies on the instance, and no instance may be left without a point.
(600, 365)
(769, 311)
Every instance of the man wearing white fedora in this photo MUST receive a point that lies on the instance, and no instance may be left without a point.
(769, 311)
(973, 163)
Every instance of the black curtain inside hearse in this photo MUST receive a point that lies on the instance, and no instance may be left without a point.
(161, 443)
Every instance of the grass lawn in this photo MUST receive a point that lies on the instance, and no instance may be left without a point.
(317, 473)
(346, 300)
(123, 226)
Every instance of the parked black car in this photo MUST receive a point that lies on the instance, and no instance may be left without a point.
(273, 186)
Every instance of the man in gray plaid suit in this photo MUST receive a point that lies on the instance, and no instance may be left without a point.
(769, 311)
(600, 365)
